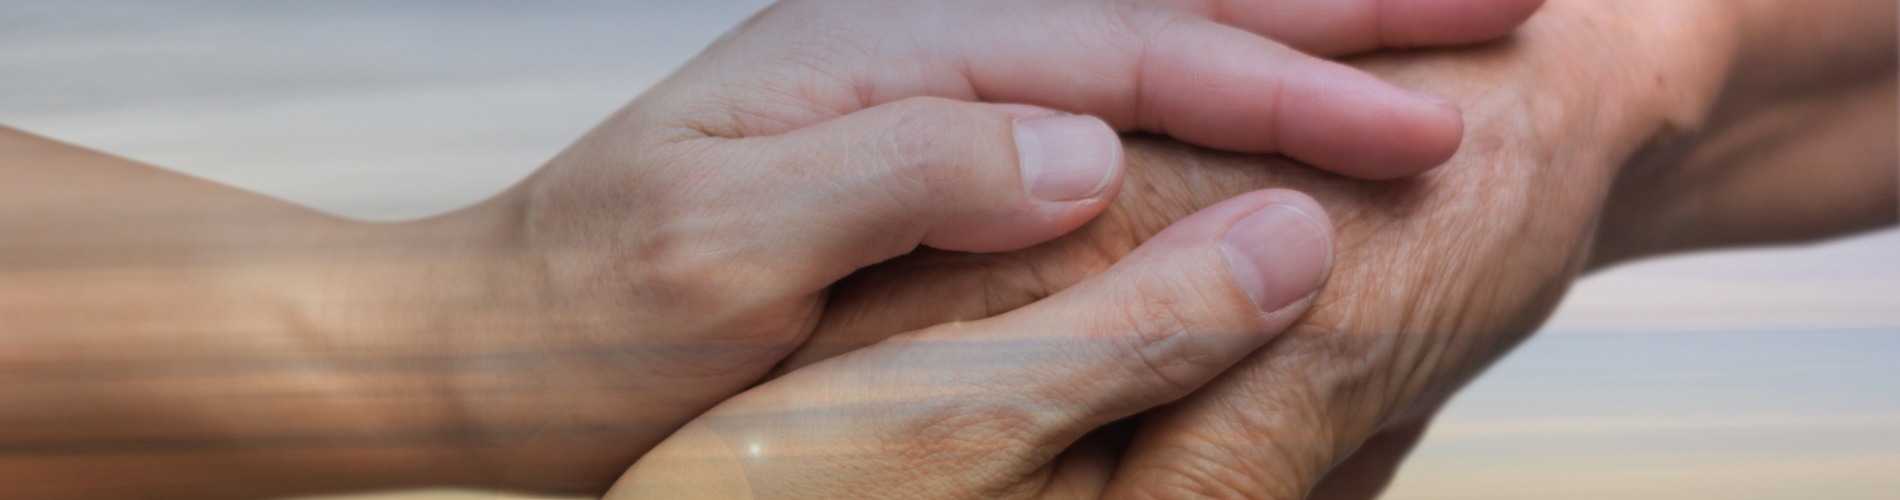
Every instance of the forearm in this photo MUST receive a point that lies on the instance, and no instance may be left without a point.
(1798, 147)
(1802, 47)
(1809, 169)
(164, 336)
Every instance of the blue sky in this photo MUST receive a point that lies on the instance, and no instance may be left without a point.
(1753, 374)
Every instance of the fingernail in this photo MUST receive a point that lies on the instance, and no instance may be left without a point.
(1278, 255)
(1067, 158)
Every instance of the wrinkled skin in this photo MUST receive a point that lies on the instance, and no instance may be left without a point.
(1586, 134)
(679, 251)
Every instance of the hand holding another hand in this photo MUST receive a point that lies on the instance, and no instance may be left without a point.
(991, 408)
(1083, 319)
(682, 249)
(1588, 144)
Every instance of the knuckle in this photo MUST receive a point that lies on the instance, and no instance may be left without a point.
(921, 149)
(1157, 342)
(972, 432)
(918, 132)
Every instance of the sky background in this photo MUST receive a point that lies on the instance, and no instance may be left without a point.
(1751, 374)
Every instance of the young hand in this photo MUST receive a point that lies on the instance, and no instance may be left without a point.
(991, 408)
(1224, 74)
(680, 250)
(1629, 151)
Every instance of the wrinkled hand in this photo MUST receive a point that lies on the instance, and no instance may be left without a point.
(992, 408)
(674, 255)
(1595, 104)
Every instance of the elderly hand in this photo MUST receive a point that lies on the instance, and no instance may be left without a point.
(990, 408)
(678, 252)
(1606, 130)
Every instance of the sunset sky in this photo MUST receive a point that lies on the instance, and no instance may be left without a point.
(1752, 374)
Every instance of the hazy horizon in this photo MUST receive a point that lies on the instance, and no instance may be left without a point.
(1762, 373)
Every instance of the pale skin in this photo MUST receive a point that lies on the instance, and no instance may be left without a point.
(1604, 131)
(1285, 416)
(180, 338)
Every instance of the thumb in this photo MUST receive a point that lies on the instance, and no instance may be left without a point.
(985, 407)
(872, 185)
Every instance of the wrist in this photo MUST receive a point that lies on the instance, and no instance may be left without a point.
(1664, 72)
(1669, 71)
(1789, 84)
(418, 322)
